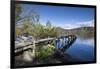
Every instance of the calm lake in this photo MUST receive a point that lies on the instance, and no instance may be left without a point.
(82, 49)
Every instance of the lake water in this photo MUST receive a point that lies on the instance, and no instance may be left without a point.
(82, 49)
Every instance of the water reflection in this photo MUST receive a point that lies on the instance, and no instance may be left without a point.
(82, 49)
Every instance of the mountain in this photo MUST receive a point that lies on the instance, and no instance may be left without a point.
(83, 32)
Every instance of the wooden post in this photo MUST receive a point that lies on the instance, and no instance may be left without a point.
(33, 47)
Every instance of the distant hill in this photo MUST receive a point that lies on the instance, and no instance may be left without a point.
(83, 32)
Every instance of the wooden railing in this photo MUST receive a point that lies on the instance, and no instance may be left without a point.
(29, 45)
(26, 45)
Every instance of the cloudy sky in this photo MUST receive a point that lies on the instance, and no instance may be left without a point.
(65, 17)
(79, 24)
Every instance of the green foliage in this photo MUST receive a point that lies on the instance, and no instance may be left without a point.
(18, 31)
(86, 32)
(44, 51)
(33, 28)
(18, 11)
(37, 30)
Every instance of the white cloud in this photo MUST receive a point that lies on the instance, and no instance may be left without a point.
(79, 24)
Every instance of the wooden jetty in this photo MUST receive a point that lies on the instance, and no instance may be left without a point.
(25, 46)
(29, 45)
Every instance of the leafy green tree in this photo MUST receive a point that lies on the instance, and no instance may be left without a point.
(18, 31)
(48, 25)
(18, 11)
